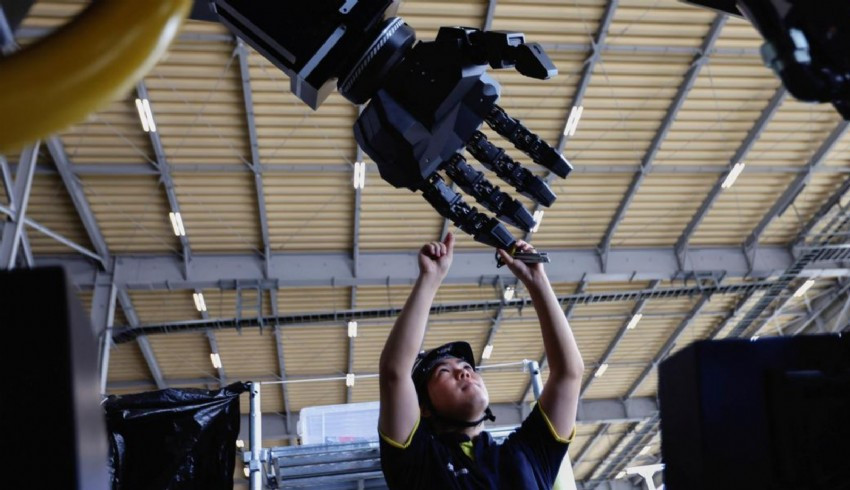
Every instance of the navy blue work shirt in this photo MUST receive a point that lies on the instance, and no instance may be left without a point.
(528, 459)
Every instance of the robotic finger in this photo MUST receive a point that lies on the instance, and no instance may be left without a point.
(450, 205)
(475, 184)
(495, 159)
(528, 142)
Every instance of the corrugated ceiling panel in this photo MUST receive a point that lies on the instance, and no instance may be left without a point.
(316, 393)
(248, 355)
(593, 337)
(661, 209)
(219, 211)
(838, 157)
(505, 387)
(126, 363)
(517, 339)
(600, 449)
(368, 346)
(131, 391)
(642, 343)
(190, 90)
(382, 296)
(739, 33)
(51, 14)
(365, 390)
(313, 299)
(726, 100)
(271, 401)
(462, 293)
(427, 16)
(132, 213)
(310, 212)
(584, 432)
(315, 349)
(395, 218)
(50, 206)
(785, 228)
(616, 380)
(289, 131)
(164, 306)
(739, 209)
(183, 355)
(585, 206)
(550, 21)
(111, 136)
(660, 23)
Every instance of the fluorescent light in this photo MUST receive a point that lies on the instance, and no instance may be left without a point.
(200, 304)
(177, 224)
(349, 380)
(601, 370)
(240, 443)
(359, 175)
(733, 175)
(216, 360)
(508, 294)
(538, 219)
(634, 321)
(805, 287)
(488, 349)
(149, 115)
(572, 121)
(142, 115)
(247, 472)
(645, 449)
(352, 329)
(620, 475)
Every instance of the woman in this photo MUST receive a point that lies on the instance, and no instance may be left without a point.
(433, 405)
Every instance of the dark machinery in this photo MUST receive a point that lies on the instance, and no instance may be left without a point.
(807, 43)
(426, 100)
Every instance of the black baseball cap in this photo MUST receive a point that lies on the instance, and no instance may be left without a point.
(426, 361)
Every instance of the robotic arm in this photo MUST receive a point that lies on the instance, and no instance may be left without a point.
(807, 44)
(426, 100)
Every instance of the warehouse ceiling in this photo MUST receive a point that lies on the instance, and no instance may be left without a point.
(672, 96)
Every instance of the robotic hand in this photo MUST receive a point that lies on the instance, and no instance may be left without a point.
(426, 100)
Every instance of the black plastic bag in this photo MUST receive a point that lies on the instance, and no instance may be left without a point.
(174, 438)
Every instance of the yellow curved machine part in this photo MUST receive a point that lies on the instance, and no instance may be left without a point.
(85, 65)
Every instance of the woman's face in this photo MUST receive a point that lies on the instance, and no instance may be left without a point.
(457, 391)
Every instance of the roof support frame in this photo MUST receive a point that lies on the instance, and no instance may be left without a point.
(739, 156)
(165, 177)
(637, 309)
(13, 231)
(255, 164)
(796, 186)
(281, 362)
(9, 185)
(649, 157)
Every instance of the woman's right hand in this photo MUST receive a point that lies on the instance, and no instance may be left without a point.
(435, 258)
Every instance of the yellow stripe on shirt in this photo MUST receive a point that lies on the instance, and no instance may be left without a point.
(397, 444)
